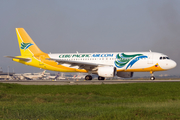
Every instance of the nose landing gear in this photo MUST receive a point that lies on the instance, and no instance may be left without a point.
(152, 76)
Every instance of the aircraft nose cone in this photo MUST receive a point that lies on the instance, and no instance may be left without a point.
(168, 64)
(173, 64)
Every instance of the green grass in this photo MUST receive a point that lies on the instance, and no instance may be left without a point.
(137, 101)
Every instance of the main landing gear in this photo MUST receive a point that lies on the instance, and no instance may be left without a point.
(101, 78)
(89, 77)
(152, 76)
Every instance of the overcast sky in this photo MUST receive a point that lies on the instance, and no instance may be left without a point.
(91, 26)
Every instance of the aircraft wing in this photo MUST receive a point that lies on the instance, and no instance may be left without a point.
(20, 58)
(82, 65)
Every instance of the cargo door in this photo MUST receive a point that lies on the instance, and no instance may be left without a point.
(41, 58)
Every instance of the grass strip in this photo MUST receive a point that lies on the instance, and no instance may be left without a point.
(121, 101)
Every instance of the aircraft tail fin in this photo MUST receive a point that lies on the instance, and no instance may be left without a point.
(26, 44)
(43, 72)
(56, 76)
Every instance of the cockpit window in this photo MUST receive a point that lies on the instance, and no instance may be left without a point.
(163, 58)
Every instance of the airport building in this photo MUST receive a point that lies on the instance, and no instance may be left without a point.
(5, 76)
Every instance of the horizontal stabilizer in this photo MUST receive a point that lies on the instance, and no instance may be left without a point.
(20, 58)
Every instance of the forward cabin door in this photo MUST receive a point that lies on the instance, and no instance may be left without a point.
(150, 58)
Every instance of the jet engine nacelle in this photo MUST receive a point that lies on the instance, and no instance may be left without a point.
(125, 74)
(106, 71)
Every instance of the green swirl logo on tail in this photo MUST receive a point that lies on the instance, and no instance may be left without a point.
(25, 46)
(123, 59)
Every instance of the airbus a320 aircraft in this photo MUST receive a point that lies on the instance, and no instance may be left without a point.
(122, 64)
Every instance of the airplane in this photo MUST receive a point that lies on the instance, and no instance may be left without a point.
(78, 76)
(34, 76)
(122, 64)
(56, 77)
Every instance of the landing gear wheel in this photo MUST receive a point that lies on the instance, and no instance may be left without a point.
(101, 78)
(152, 78)
(88, 77)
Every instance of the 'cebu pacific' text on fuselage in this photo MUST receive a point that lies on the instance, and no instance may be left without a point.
(84, 55)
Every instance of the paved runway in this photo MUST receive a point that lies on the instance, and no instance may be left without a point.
(82, 82)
